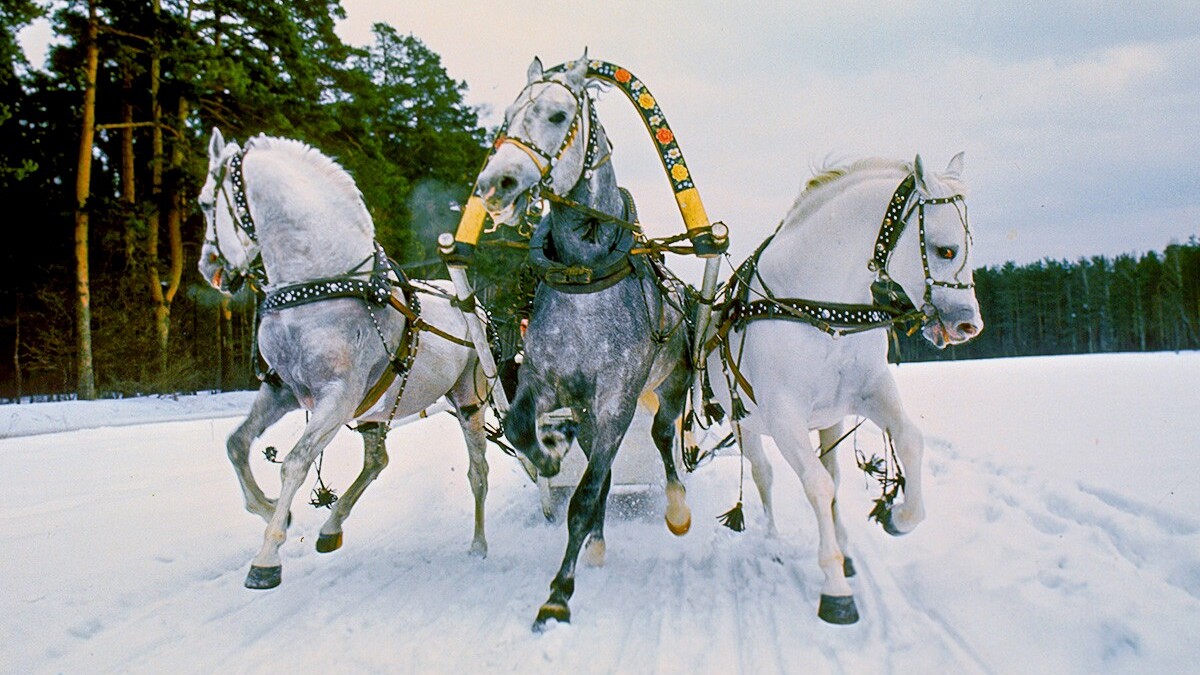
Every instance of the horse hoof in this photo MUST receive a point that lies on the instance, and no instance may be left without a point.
(478, 550)
(682, 528)
(889, 526)
(551, 610)
(262, 578)
(848, 567)
(329, 542)
(679, 516)
(838, 609)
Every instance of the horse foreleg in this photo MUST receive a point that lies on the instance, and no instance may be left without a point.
(375, 460)
(270, 404)
(581, 515)
(837, 600)
(600, 444)
(266, 568)
(762, 473)
(829, 437)
(887, 412)
(595, 548)
(669, 403)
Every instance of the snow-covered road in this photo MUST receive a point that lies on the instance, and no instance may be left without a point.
(1063, 536)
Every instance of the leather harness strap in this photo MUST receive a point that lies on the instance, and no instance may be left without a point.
(415, 324)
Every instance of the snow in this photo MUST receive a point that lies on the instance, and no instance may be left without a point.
(1063, 536)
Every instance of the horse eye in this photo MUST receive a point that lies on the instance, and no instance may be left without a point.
(946, 252)
(558, 117)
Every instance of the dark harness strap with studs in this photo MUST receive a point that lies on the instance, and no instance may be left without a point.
(890, 306)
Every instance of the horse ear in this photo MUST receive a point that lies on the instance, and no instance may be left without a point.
(535, 70)
(215, 145)
(578, 72)
(955, 168)
(919, 174)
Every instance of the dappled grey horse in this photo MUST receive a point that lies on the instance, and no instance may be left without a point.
(344, 342)
(603, 331)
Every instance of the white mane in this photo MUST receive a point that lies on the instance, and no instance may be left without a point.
(333, 173)
(818, 189)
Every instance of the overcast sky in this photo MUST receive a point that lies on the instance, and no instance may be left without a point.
(1080, 120)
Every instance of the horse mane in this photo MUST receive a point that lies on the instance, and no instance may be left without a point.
(816, 189)
(333, 173)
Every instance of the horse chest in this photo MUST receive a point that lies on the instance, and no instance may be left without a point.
(589, 333)
(796, 367)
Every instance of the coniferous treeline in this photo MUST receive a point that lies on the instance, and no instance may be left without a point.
(1098, 304)
(103, 153)
(99, 192)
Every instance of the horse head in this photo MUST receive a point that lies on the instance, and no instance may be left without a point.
(933, 258)
(543, 143)
(230, 249)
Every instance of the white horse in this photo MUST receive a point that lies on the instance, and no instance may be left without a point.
(804, 345)
(341, 339)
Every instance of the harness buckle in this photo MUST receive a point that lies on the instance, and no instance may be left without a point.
(575, 274)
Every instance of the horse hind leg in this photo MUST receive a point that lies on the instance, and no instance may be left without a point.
(375, 460)
(272, 402)
(829, 439)
(471, 413)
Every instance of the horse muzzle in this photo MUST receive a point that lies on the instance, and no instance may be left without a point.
(504, 180)
(954, 327)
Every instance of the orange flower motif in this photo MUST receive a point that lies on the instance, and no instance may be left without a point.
(499, 142)
(679, 172)
(622, 76)
(664, 135)
(646, 101)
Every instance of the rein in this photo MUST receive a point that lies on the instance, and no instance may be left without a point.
(891, 306)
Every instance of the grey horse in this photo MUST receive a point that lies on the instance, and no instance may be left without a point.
(603, 331)
(289, 216)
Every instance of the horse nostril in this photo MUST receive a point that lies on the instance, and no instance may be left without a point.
(508, 183)
(966, 328)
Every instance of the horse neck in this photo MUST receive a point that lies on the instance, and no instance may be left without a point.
(568, 226)
(822, 250)
(307, 230)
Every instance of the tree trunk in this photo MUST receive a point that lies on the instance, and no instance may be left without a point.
(174, 235)
(162, 310)
(17, 347)
(225, 339)
(128, 180)
(83, 179)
